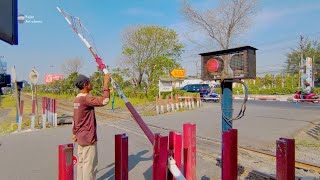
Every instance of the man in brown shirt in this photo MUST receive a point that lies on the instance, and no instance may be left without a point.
(85, 126)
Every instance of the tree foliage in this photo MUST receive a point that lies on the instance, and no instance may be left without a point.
(147, 51)
(306, 48)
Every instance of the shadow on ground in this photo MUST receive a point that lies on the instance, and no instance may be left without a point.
(134, 160)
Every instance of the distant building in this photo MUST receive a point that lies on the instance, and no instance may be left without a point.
(181, 82)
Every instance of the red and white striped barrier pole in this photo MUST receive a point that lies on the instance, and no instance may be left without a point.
(175, 146)
(20, 115)
(48, 110)
(121, 157)
(160, 157)
(33, 113)
(189, 103)
(44, 106)
(285, 159)
(157, 105)
(167, 102)
(55, 115)
(230, 155)
(177, 102)
(66, 161)
(161, 105)
(51, 111)
(189, 151)
(172, 103)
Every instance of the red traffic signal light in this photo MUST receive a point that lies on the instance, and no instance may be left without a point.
(212, 65)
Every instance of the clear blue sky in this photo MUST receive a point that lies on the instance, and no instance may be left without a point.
(275, 30)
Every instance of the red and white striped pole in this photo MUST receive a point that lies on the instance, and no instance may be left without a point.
(20, 115)
(50, 111)
(44, 106)
(33, 113)
(55, 116)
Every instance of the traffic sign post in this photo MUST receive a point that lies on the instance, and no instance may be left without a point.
(34, 77)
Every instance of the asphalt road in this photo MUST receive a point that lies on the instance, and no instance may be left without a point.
(34, 155)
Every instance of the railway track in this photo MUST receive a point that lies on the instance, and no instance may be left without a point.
(202, 142)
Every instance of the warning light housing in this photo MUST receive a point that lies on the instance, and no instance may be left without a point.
(236, 63)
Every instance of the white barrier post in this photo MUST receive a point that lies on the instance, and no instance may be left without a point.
(33, 113)
(20, 115)
(167, 102)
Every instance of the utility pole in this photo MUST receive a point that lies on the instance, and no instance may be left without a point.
(301, 70)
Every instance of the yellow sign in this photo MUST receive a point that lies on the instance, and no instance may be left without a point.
(178, 73)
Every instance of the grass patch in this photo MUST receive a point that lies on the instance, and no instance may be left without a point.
(134, 101)
(7, 101)
(307, 143)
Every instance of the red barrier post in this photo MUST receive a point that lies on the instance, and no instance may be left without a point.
(160, 157)
(285, 159)
(175, 145)
(121, 157)
(66, 162)
(230, 155)
(189, 151)
(55, 116)
(21, 108)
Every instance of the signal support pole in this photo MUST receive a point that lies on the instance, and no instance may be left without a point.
(229, 139)
(226, 104)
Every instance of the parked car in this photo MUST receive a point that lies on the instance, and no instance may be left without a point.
(199, 88)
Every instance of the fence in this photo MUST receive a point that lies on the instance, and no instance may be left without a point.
(175, 103)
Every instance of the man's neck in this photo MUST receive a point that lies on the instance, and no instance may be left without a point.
(84, 91)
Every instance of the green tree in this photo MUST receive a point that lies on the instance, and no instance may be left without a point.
(147, 50)
(308, 48)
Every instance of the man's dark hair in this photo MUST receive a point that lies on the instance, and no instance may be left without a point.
(81, 81)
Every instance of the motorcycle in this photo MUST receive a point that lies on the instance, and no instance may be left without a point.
(312, 97)
(207, 96)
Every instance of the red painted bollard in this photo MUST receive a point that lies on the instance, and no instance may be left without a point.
(160, 157)
(44, 118)
(121, 157)
(230, 155)
(285, 159)
(55, 116)
(189, 151)
(66, 162)
(175, 145)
